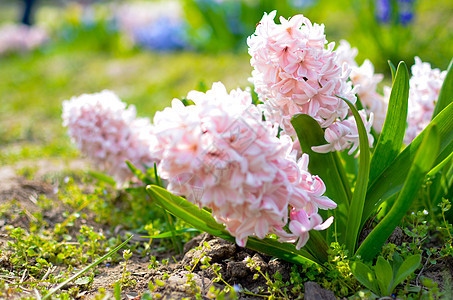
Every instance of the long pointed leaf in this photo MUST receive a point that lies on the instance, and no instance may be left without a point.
(360, 189)
(391, 138)
(392, 179)
(392, 69)
(202, 220)
(183, 209)
(446, 92)
(325, 165)
(424, 159)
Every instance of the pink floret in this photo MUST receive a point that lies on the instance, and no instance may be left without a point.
(109, 133)
(220, 154)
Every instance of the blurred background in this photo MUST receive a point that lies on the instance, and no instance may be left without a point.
(149, 52)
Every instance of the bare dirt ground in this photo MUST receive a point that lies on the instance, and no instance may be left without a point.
(25, 192)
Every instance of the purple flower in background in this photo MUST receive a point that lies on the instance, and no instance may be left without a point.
(404, 13)
(153, 25)
(164, 34)
(383, 10)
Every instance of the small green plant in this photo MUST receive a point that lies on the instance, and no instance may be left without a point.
(276, 289)
(386, 275)
(125, 280)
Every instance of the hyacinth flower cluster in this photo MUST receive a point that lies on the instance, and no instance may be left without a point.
(295, 72)
(424, 89)
(21, 38)
(221, 154)
(239, 160)
(107, 130)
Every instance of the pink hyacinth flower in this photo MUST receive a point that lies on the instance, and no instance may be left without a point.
(294, 72)
(221, 154)
(109, 133)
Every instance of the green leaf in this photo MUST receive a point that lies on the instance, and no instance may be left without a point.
(392, 69)
(384, 276)
(440, 165)
(325, 165)
(102, 177)
(409, 266)
(360, 189)
(169, 234)
(446, 92)
(117, 291)
(391, 138)
(139, 174)
(188, 212)
(423, 161)
(392, 179)
(365, 276)
(202, 220)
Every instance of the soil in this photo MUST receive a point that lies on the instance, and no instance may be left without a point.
(24, 194)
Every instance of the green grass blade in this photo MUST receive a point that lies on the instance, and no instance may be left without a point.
(202, 220)
(325, 165)
(392, 179)
(446, 92)
(102, 177)
(424, 159)
(168, 234)
(360, 189)
(139, 174)
(84, 270)
(391, 138)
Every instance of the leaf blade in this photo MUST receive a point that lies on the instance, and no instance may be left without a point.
(373, 243)
(365, 276)
(446, 91)
(384, 275)
(409, 265)
(325, 165)
(391, 137)
(202, 220)
(392, 178)
(358, 198)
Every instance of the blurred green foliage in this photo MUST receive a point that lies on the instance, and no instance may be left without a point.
(33, 85)
(89, 57)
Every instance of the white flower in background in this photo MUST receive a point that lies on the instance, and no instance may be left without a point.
(21, 38)
(344, 134)
(109, 133)
(424, 89)
(365, 80)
